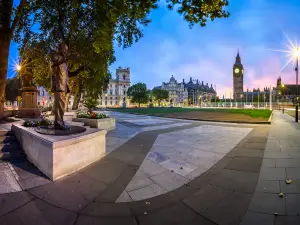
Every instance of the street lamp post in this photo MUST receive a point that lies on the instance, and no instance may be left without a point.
(105, 102)
(241, 100)
(297, 53)
(216, 96)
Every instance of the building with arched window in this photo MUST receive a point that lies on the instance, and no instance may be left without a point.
(116, 93)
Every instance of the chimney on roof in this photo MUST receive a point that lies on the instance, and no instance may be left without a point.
(197, 81)
(211, 86)
(202, 83)
(182, 80)
(207, 84)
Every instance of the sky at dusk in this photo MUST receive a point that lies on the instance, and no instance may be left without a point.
(170, 47)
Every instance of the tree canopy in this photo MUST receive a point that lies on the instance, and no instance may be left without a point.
(12, 89)
(138, 93)
(160, 95)
(89, 28)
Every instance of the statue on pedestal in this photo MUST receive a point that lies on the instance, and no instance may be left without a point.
(29, 107)
(60, 84)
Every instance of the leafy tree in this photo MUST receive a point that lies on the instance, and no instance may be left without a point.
(90, 103)
(89, 28)
(138, 93)
(12, 18)
(12, 89)
(160, 95)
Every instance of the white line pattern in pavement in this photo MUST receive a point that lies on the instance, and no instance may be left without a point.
(180, 156)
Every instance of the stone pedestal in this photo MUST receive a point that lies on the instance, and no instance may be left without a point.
(29, 107)
(59, 156)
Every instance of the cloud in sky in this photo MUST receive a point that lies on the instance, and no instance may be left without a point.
(170, 47)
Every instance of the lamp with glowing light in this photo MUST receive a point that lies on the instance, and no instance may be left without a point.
(18, 67)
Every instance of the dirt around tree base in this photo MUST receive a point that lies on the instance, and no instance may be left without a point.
(215, 116)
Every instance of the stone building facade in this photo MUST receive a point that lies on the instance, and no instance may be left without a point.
(238, 79)
(44, 98)
(199, 93)
(286, 92)
(116, 93)
(177, 92)
(191, 93)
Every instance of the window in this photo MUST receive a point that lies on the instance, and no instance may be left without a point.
(124, 86)
(111, 92)
(116, 98)
(110, 86)
(110, 98)
(105, 102)
(49, 98)
(38, 103)
(111, 103)
(124, 77)
(124, 92)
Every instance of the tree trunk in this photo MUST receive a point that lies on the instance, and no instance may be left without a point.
(4, 50)
(67, 102)
(76, 101)
(139, 104)
(159, 103)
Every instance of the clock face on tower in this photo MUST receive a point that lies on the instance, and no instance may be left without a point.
(236, 70)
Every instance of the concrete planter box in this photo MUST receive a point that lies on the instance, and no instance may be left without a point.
(58, 156)
(106, 123)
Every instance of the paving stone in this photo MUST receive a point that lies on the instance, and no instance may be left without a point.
(202, 162)
(236, 180)
(34, 182)
(230, 210)
(287, 220)
(138, 181)
(257, 139)
(245, 164)
(25, 170)
(260, 146)
(124, 197)
(292, 204)
(287, 162)
(206, 197)
(195, 173)
(12, 201)
(158, 202)
(268, 163)
(151, 168)
(72, 192)
(268, 186)
(292, 188)
(267, 203)
(169, 180)
(147, 192)
(88, 220)
(251, 153)
(38, 212)
(176, 214)
(115, 189)
(293, 173)
(106, 209)
(277, 155)
(179, 167)
(272, 174)
(252, 218)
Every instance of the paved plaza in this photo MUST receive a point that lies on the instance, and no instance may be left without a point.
(164, 171)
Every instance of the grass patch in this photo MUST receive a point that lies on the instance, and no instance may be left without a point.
(163, 111)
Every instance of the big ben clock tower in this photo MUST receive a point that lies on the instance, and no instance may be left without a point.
(238, 78)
